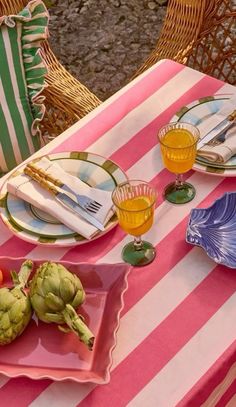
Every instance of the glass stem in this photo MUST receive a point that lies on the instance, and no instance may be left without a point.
(179, 181)
(138, 244)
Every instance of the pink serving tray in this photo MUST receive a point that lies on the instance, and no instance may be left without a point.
(42, 351)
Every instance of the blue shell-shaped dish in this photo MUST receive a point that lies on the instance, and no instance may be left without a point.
(214, 229)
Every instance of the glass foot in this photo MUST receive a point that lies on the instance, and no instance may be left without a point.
(139, 257)
(179, 194)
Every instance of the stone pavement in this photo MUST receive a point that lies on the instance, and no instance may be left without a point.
(103, 42)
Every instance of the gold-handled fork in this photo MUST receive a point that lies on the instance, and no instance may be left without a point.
(88, 204)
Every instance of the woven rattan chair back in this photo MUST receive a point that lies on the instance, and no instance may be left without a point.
(11, 7)
(200, 34)
(66, 99)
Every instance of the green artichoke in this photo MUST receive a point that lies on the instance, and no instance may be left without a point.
(15, 306)
(55, 293)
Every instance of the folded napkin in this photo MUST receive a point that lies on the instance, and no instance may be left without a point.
(220, 153)
(29, 190)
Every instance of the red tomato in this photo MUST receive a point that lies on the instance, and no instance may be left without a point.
(1, 277)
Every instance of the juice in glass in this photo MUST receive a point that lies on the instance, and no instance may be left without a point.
(178, 149)
(136, 215)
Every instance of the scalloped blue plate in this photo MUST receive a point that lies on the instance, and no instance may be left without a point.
(214, 229)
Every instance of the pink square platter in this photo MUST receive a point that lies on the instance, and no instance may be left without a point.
(42, 351)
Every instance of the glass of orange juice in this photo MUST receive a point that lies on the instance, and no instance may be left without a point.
(134, 201)
(178, 148)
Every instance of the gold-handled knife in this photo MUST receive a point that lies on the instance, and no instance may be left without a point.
(62, 198)
(82, 200)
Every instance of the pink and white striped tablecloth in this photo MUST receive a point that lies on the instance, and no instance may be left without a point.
(176, 345)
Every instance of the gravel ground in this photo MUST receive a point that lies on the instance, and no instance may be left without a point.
(103, 42)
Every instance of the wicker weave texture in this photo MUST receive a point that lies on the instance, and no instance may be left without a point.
(67, 100)
(201, 34)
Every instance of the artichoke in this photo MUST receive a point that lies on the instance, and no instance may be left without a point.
(15, 306)
(55, 293)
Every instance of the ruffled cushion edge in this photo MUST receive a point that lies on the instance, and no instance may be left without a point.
(34, 19)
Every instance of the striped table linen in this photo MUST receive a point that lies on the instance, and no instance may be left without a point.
(176, 344)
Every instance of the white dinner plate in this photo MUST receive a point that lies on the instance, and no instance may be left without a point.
(195, 113)
(35, 226)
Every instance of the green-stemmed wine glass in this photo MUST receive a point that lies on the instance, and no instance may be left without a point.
(134, 201)
(179, 147)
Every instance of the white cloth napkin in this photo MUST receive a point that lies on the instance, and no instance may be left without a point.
(220, 153)
(25, 188)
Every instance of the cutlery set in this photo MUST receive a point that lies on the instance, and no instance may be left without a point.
(79, 204)
(213, 137)
(85, 202)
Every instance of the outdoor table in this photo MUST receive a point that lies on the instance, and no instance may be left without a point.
(176, 343)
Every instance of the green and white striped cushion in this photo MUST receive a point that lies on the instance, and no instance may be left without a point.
(22, 73)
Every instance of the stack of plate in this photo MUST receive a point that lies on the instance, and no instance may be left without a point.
(197, 112)
(35, 226)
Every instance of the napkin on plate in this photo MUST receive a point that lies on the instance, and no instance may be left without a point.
(29, 190)
(223, 152)
(220, 153)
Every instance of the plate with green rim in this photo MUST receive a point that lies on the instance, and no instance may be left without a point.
(195, 113)
(35, 226)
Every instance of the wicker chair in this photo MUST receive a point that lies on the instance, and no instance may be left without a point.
(67, 100)
(200, 34)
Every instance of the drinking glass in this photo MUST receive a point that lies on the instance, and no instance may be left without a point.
(134, 201)
(179, 147)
